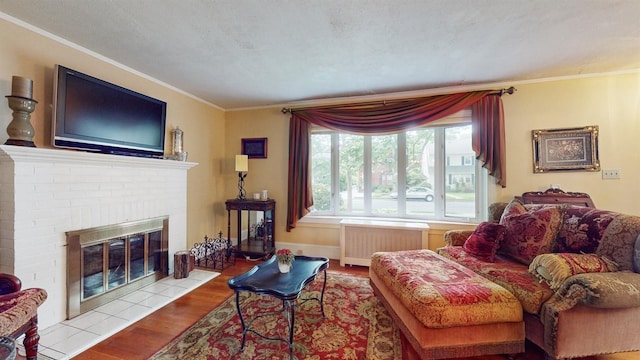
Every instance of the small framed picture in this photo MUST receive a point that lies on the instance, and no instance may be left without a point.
(565, 149)
(255, 148)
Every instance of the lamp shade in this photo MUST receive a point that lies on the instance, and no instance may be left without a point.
(242, 163)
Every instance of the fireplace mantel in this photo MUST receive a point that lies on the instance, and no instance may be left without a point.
(30, 154)
(46, 192)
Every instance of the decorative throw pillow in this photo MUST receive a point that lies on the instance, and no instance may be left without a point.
(530, 234)
(582, 229)
(485, 241)
(515, 207)
(554, 269)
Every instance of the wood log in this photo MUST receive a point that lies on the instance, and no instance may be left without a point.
(181, 265)
(192, 262)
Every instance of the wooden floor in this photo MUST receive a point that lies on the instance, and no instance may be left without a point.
(145, 337)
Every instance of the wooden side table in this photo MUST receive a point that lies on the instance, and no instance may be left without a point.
(260, 242)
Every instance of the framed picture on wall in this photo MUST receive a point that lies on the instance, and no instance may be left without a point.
(565, 149)
(255, 148)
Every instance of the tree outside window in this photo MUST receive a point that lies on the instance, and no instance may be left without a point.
(426, 173)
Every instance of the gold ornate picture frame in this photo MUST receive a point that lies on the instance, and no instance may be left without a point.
(565, 149)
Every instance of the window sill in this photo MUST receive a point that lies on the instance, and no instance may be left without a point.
(334, 221)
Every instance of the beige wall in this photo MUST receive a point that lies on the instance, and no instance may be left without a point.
(29, 54)
(611, 102)
(264, 174)
(212, 137)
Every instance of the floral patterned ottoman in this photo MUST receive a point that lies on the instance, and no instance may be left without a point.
(445, 310)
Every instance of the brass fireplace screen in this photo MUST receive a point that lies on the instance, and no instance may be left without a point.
(107, 262)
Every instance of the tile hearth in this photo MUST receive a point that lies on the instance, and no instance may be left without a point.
(70, 337)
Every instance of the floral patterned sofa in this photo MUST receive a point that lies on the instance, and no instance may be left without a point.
(574, 269)
(19, 312)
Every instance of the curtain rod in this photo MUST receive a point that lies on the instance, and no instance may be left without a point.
(285, 110)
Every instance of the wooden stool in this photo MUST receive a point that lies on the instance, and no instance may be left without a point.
(181, 261)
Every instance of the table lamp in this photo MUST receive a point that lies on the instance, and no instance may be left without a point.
(242, 164)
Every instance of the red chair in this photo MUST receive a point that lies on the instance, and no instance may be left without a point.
(19, 312)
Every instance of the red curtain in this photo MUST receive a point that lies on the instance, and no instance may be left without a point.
(488, 137)
(300, 198)
(363, 119)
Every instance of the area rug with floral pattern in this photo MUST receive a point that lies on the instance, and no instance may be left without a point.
(356, 326)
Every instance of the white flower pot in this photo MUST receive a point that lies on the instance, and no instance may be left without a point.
(284, 268)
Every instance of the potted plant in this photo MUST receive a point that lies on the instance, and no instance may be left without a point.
(285, 258)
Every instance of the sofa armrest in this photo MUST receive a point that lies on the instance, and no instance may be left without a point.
(17, 311)
(9, 283)
(456, 237)
(619, 289)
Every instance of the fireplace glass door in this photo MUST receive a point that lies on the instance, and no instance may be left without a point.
(116, 262)
(92, 269)
(154, 255)
(137, 247)
(108, 262)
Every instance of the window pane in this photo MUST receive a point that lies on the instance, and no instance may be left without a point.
(460, 172)
(351, 165)
(427, 173)
(420, 170)
(384, 174)
(321, 171)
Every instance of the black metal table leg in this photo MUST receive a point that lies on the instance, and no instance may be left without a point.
(244, 327)
(324, 284)
(292, 310)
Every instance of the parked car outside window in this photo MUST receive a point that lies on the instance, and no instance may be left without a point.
(417, 193)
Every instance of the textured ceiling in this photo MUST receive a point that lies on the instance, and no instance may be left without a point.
(244, 53)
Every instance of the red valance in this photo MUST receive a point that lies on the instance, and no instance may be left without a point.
(386, 118)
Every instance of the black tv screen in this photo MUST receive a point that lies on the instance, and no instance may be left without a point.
(95, 115)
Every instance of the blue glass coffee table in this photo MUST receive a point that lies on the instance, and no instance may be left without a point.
(266, 279)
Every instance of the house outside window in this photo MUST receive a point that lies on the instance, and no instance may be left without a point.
(426, 173)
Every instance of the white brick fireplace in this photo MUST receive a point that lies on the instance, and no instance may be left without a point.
(47, 192)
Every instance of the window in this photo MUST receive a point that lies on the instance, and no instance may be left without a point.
(428, 173)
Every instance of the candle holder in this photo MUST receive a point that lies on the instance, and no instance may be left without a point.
(178, 154)
(20, 130)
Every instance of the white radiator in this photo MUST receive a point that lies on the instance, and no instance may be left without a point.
(361, 238)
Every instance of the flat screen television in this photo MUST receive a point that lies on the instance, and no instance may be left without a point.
(94, 115)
